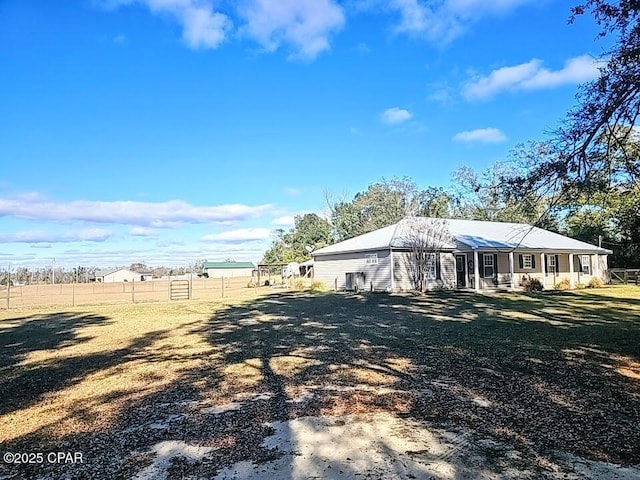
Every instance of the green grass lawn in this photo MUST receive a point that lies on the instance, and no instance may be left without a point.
(555, 371)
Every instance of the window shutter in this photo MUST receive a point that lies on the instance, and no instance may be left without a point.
(520, 261)
(557, 264)
(495, 265)
(533, 260)
(546, 266)
(438, 267)
(580, 263)
(481, 259)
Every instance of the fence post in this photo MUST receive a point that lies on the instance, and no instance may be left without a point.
(169, 291)
(190, 286)
(8, 293)
(73, 294)
(223, 286)
(133, 290)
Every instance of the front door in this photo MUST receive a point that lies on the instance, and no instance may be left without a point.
(461, 271)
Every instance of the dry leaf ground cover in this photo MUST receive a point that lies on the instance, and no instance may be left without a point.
(190, 389)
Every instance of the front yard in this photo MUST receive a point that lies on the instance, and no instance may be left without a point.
(504, 385)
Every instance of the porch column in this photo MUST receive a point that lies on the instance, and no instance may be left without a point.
(571, 281)
(476, 271)
(543, 266)
(596, 266)
(511, 273)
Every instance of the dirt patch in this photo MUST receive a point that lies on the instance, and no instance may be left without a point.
(386, 446)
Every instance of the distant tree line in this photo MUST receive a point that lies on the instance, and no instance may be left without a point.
(46, 275)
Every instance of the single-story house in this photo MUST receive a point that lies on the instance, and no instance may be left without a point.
(228, 269)
(463, 254)
(115, 275)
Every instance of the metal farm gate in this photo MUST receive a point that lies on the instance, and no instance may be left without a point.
(180, 290)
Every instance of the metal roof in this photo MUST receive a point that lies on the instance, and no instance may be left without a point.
(399, 235)
(509, 236)
(474, 234)
(221, 265)
(109, 271)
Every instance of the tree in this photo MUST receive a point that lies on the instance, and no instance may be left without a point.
(589, 152)
(139, 267)
(614, 218)
(489, 195)
(384, 203)
(310, 232)
(425, 238)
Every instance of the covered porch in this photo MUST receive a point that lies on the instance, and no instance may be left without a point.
(494, 269)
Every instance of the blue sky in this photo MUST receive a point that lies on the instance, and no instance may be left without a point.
(167, 131)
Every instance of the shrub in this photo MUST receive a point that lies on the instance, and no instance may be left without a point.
(532, 285)
(267, 283)
(580, 286)
(595, 282)
(251, 284)
(563, 285)
(297, 284)
(318, 286)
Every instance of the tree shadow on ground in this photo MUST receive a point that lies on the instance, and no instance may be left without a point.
(24, 383)
(544, 373)
(552, 372)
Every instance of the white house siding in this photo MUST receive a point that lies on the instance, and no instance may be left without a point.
(229, 272)
(121, 276)
(402, 273)
(332, 269)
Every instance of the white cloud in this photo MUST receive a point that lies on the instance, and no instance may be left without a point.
(142, 231)
(146, 214)
(531, 76)
(84, 235)
(202, 27)
(303, 25)
(576, 70)
(285, 221)
(239, 236)
(292, 191)
(445, 20)
(481, 135)
(395, 115)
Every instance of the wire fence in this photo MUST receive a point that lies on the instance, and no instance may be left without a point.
(126, 292)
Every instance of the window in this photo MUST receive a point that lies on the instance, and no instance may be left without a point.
(586, 264)
(488, 265)
(431, 266)
(527, 261)
(551, 264)
(371, 259)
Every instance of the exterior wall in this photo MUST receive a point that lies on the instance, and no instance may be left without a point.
(402, 274)
(503, 277)
(121, 276)
(229, 272)
(332, 269)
